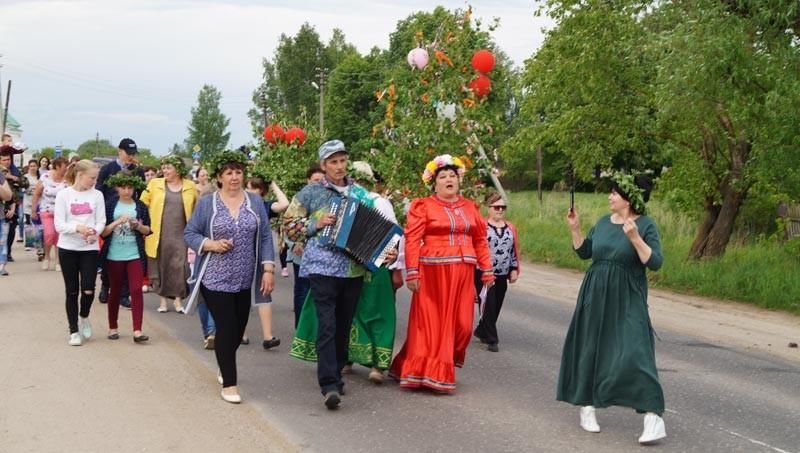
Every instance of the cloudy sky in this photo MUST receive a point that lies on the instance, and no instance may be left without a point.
(134, 67)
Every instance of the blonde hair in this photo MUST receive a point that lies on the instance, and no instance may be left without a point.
(81, 166)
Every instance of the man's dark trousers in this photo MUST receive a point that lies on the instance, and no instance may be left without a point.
(335, 299)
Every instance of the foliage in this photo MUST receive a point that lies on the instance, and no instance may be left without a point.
(351, 108)
(416, 125)
(208, 125)
(707, 88)
(95, 148)
(286, 92)
(287, 164)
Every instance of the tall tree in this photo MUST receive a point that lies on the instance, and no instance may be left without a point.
(287, 92)
(208, 126)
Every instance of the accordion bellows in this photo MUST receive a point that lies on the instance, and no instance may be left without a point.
(362, 232)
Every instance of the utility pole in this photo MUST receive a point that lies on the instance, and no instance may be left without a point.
(321, 74)
(96, 144)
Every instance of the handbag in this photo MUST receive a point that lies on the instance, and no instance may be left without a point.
(34, 236)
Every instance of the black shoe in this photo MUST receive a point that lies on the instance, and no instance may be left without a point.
(332, 400)
(493, 347)
(113, 336)
(141, 338)
(271, 343)
(10, 259)
(245, 341)
(125, 303)
(483, 340)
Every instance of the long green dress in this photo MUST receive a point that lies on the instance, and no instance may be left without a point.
(609, 353)
(372, 333)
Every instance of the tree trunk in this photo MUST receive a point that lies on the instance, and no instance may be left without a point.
(720, 235)
(711, 214)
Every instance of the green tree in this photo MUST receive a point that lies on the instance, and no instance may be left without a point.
(208, 125)
(728, 94)
(351, 108)
(95, 148)
(287, 92)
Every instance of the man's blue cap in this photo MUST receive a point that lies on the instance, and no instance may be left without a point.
(330, 148)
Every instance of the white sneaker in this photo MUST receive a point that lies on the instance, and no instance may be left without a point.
(654, 429)
(75, 339)
(588, 420)
(85, 327)
(219, 377)
(58, 268)
(45, 265)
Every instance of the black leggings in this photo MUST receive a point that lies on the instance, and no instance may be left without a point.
(79, 269)
(230, 312)
(487, 327)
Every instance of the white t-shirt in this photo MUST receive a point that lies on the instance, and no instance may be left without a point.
(27, 202)
(73, 208)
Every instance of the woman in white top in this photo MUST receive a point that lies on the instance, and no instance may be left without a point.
(42, 205)
(80, 217)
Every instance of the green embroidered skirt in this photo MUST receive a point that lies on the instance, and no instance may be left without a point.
(372, 333)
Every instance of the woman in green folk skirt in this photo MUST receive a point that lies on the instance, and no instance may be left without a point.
(609, 352)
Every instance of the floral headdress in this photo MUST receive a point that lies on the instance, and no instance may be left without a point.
(632, 192)
(440, 161)
(123, 179)
(219, 160)
(176, 162)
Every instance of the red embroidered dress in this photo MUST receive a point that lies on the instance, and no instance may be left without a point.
(445, 241)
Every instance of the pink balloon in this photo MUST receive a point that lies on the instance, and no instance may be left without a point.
(418, 58)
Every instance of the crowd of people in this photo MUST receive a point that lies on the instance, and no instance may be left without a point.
(205, 243)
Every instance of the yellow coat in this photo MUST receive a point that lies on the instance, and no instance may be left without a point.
(154, 197)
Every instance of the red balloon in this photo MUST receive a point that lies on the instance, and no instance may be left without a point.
(483, 61)
(480, 85)
(273, 133)
(295, 135)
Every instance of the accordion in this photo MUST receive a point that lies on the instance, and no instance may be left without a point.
(362, 232)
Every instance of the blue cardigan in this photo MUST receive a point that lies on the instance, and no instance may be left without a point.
(199, 229)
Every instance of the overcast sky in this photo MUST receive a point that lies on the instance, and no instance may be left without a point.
(134, 67)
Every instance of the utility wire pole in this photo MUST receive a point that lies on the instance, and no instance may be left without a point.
(321, 75)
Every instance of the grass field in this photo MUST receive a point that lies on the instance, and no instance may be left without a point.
(759, 272)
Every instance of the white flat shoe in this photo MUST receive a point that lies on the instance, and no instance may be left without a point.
(219, 377)
(654, 429)
(589, 420)
(234, 399)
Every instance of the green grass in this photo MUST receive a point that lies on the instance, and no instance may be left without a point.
(759, 272)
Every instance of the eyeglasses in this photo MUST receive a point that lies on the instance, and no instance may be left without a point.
(499, 208)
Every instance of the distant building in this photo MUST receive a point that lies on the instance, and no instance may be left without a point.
(13, 127)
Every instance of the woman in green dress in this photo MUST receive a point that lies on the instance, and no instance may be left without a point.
(609, 353)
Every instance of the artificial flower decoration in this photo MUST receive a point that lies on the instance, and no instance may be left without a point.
(219, 160)
(633, 193)
(176, 162)
(440, 161)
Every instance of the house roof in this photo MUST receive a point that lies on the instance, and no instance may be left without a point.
(12, 123)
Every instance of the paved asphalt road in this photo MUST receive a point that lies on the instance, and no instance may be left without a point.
(718, 399)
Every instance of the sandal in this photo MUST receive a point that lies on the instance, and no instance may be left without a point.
(141, 338)
(113, 336)
(162, 309)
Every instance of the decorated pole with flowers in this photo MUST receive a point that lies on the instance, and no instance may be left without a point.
(442, 105)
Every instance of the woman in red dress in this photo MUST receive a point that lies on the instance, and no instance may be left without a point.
(445, 240)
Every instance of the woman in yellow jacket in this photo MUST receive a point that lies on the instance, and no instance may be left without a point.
(170, 201)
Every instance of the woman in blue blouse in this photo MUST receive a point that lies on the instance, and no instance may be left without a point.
(230, 233)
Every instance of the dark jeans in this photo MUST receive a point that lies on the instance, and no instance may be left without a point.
(79, 269)
(230, 312)
(336, 299)
(301, 287)
(12, 232)
(282, 255)
(487, 327)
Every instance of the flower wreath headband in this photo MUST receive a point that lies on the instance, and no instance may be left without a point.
(633, 193)
(176, 162)
(122, 179)
(441, 161)
(219, 160)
